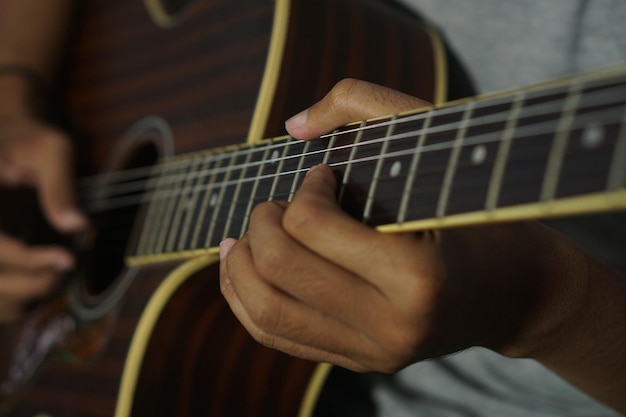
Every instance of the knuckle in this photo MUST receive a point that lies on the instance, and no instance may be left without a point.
(259, 214)
(341, 93)
(271, 259)
(302, 214)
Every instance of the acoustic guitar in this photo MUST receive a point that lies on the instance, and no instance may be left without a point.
(142, 330)
(147, 81)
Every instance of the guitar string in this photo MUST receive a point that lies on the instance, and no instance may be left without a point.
(537, 109)
(117, 201)
(174, 179)
(222, 215)
(240, 214)
(431, 171)
(127, 187)
(526, 132)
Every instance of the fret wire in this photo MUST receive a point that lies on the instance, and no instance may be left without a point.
(476, 185)
(152, 236)
(503, 152)
(136, 228)
(559, 144)
(249, 207)
(331, 144)
(346, 172)
(281, 164)
(208, 197)
(219, 203)
(452, 164)
(296, 177)
(191, 210)
(231, 210)
(172, 200)
(182, 206)
(164, 215)
(617, 173)
(148, 216)
(408, 185)
(379, 164)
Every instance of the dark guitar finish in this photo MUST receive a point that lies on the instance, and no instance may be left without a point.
(203, 78)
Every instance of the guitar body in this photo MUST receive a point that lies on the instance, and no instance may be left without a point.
(160, 340)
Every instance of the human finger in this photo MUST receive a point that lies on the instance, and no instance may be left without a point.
(348, 101)
(54, 177)
(14, 255)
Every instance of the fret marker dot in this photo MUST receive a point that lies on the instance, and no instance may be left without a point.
(275, 156)
(479, 154)
(592, 136)
(396, 167)
(213, 201)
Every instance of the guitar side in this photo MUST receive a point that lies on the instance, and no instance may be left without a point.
(171, 346)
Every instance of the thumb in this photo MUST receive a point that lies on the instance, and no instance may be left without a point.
(348, 101)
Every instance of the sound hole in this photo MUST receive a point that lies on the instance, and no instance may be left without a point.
(113, 224)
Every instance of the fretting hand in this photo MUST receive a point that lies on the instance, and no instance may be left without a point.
(310, 281)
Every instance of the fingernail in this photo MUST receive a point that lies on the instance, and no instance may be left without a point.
(225, 246)
(297, 120)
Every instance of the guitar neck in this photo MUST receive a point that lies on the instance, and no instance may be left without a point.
(552, 149)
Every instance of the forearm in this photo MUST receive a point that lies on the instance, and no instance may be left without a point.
(32, 34)
(590, 351)
(538, 295)
(577, 324)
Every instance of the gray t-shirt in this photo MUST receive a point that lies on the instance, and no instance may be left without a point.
(505, 44)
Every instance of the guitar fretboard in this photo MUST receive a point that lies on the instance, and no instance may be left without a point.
(535, 146)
